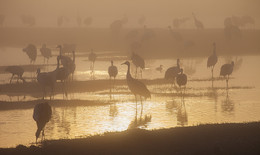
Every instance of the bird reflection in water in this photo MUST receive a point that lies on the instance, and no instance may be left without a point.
(141, 121)
(182, 117)
(113, 110)
(92, 57)
(227, 105)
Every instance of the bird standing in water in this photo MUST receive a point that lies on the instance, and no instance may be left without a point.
(172, 72)
(31, 51)
(15, 70)
(41, 114)
(212, 60)
(181, 80)
(46, 53)
(92, 57)
(227, 70)
(160, 68)
(136, 86)
(138, 62)
(112, 71)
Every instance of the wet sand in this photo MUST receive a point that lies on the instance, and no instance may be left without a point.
(234, 138)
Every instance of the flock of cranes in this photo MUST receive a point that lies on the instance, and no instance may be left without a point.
(66, 66)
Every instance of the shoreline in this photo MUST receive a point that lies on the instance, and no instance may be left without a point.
(227, 138)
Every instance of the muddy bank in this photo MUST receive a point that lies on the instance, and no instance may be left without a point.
(83, 86)
(5, 105)
(234, 138)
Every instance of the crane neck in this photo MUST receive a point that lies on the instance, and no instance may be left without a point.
(214, 50)
(73, 57)
(58, 63)
(128, 75)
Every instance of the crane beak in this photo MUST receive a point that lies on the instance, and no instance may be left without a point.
(123, 63)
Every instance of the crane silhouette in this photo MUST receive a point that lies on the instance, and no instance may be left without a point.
(92, 57)
(172, 72)
(135, 86)
(212, 60)
(138, 61)
(48, 79)
(41, 114)
(198, 24)
(66, 62)
(160, 68)
(181, 80)
(31, 51)
(15, 70)
(46, 53)
(227, 70)
(112, 70)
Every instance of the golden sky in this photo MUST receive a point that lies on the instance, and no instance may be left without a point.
(158, 12)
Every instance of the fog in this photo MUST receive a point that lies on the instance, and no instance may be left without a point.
(158, 13)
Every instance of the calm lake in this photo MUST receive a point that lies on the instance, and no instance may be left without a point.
(166, 108)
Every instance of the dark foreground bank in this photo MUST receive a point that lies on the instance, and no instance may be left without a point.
(203, 139)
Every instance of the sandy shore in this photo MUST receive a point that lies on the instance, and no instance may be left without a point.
(235, 138)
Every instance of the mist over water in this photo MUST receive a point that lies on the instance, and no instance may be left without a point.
(90, 34)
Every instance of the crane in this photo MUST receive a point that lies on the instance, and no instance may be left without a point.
(136, 86)
(15, 70)
(172, 72)
(227, 70)
(41, 114)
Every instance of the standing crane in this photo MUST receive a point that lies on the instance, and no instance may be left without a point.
(67, 62)
(31, 51)
(48, 79)
(212, 60)
(138, 61)
(198, 24)
(41, 114)
(92, 57)
(172, 72)
(15, 70)
(181, 80)
(112, 70)
(46, 53)
(227, 70)
(135, 86)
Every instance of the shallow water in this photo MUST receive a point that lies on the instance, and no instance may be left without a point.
(201, 104)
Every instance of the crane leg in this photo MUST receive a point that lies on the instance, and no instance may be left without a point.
(110, 91)
(11, 79)
(43, 92)
(136, 72)
(141, 106)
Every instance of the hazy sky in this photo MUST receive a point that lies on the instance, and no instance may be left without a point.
(159, 13)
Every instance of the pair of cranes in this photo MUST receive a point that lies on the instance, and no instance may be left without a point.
(226, 69)
(48, 79)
